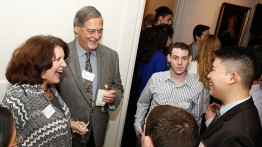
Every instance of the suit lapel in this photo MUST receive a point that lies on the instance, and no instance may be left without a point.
(213, 127)
(101, 66)
(73, 65)
(227, 116)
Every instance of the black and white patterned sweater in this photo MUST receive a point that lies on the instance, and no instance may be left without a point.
(27, 103)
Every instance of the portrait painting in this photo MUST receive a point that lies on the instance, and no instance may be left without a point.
(231, 24)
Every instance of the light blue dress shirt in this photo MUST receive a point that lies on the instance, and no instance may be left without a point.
(225, 108)
(82, 61)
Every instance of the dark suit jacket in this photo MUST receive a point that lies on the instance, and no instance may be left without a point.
(240, 126)
(72, 91)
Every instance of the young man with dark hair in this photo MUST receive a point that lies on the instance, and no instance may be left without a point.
(173, 87)
(173, 128)
(199, 33)
(163, 15)
(237, 122)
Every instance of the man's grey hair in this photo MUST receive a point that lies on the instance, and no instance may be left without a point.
(84, 14)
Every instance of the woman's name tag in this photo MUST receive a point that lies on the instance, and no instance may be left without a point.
(48, 111)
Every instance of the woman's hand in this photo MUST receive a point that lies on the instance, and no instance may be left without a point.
(80, 128)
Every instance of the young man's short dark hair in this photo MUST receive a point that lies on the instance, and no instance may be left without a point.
(241, 60)
(199, 29)
(171, 126)
(162, 11)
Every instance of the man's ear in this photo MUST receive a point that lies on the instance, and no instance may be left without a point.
(190, 58)
(160, 19)
(147, 142)
(168, 58)
(234, 77)
(76, 29)
(198, 37)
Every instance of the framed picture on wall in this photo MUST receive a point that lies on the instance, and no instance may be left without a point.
(231, 24)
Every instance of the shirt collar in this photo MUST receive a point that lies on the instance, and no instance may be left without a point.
(186, 82)
(225, 108)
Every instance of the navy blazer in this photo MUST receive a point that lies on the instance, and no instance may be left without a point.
(240, 126)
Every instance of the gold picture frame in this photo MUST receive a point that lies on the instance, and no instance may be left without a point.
(231, 24)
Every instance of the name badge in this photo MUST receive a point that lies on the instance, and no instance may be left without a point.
(99, 98)
(185, 105)
(48, 111)
(88, 75)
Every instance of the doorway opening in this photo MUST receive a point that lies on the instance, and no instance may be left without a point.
(129, 136)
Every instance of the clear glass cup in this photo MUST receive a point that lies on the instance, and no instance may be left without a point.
(106, 86)
(83, 121)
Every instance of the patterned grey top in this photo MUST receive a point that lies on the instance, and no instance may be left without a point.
(27, 103)
(256, 93)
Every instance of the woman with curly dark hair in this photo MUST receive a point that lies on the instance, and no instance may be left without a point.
(41, 116)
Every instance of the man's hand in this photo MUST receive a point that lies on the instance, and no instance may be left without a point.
(110, 96)
(139, 133)
(211, 110)
(215, 107)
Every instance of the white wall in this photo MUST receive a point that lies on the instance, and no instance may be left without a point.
(19, 20)
(206, 12)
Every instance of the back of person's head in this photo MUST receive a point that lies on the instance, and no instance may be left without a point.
(147, 45)
(170, 126)
(167, 28)
(206, 56)
(84, 14)
(33, 58)
(155, 40)
(180, 45)
(6, 126)
(149, 20)
(163, 32)
(239, 60)
(199, 29)
(162, 11)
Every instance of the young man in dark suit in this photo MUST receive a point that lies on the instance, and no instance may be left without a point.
(237, 122)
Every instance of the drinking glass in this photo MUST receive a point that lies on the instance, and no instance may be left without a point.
(82, 121)
(106, 87)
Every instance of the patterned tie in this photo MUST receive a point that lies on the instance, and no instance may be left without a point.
(88, 84)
